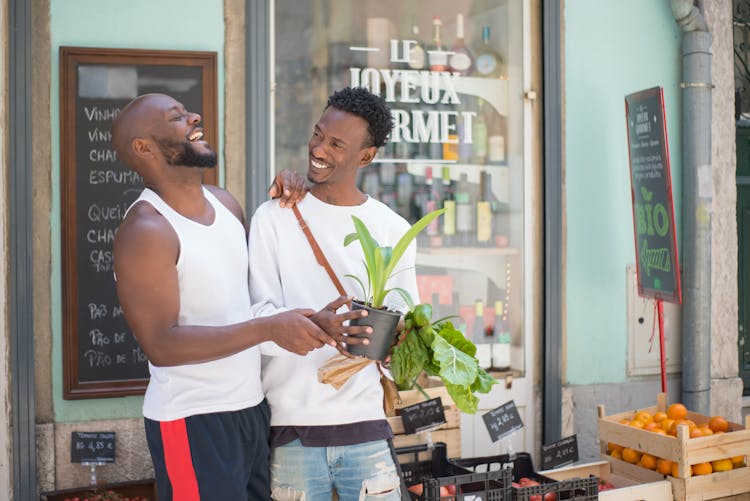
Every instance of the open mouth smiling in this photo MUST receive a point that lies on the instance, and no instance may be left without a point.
(196, 135)
(319, 165)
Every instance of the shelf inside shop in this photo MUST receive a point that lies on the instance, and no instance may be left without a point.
(453, 251)
(479, 259)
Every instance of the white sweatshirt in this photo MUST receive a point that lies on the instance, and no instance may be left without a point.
(283, 270)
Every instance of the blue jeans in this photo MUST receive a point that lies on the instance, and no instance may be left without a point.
(357, 472)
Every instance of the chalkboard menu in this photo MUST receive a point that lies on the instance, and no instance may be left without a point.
(101, 357)
(92, 447)
(658, 267)
(502, 420)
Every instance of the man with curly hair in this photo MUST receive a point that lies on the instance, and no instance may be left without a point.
(324, 439)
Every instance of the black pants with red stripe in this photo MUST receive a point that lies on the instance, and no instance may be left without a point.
(207, 457)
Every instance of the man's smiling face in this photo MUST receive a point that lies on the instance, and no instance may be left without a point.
(337, 149)
(180, 139)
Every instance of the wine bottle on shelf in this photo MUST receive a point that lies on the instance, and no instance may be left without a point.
(464, 222)
(484, 210)
(501, 346)
(462, 60)
(479, 336)
(430, 204)
(465, 148)
(417, 54)
(449, 204)
(404, 195)
(437, 55)
(419, 199)
(479, 135)
(488, 62)
(450, 148)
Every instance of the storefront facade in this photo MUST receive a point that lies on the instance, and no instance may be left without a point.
(523, 137)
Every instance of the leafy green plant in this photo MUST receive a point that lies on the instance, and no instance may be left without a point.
(380, 261)
(439, 349)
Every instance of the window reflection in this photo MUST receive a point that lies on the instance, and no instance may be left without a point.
(452, 73)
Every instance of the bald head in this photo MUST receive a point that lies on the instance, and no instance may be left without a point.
(136, 120)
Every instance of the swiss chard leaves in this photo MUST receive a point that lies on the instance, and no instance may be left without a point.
(441, 350)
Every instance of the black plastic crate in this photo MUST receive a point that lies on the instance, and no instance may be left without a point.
(439, 472)
(574, 489)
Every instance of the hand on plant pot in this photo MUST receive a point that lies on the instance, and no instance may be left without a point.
(295, 331)
(332, 323)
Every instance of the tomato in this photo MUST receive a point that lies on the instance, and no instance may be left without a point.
(416, 489)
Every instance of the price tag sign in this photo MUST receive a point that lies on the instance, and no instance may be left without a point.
(562, 452)
(423, 415)
(92, 447)
(502, 420)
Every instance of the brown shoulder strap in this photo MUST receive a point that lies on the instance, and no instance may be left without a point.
(318, 253)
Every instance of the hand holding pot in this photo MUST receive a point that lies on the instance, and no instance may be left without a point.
(333, 324)
(294, 331)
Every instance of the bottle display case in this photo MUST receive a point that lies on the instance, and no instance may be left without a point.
(453, 75)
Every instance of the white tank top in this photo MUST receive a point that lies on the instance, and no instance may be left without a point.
(212, 270)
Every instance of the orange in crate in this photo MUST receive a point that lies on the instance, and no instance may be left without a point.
(721, 465)
(631, 455)
(676, 411)
(702, 469)
(664, 466)
(648, 461)
(718, 423)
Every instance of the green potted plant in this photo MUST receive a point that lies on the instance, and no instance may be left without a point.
(436, 347)
(380, 263)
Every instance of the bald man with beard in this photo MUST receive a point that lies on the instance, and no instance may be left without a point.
(181, 267)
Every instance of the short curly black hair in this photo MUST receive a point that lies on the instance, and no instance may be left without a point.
(371, 107)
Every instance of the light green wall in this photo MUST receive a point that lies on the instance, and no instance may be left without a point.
(140, 24)
(612, 48)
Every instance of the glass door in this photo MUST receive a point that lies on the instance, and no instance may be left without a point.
(456, 76)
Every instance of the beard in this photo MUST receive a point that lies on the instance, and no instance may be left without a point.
(182, 153)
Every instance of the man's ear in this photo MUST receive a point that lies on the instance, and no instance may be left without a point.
(368, 154)
(141, 147)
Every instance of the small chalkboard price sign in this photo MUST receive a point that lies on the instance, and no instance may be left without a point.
(502, 421)
(423, 415)
(560, 453)
(96, 447)
(101, 357)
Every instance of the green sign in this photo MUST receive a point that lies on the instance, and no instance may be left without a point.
(651, 191)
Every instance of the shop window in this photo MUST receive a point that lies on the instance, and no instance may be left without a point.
(453, 74)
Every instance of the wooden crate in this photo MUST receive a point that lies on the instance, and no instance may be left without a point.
(450, 432)
(636, 486)
(684, 451)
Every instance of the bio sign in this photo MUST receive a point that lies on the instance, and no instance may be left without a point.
(651, 190)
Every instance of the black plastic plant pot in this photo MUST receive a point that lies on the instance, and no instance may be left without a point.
(383, 323)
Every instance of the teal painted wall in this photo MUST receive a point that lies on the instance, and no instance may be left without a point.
(141, 24)
(612, 48)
